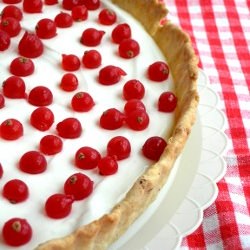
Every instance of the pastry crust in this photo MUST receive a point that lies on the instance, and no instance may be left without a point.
(177, 48)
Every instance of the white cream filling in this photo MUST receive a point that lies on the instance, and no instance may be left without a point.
(107, 190)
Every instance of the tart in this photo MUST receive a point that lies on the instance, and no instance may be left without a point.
(102, 229)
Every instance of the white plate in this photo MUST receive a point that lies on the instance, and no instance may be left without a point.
(179, 209)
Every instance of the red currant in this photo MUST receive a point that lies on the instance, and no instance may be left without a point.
(69, 82)
(110, 75)
(16, 232)
(22, 66)
(154, 147)
(107, 165)
(14, 87)
(11, 1)
(50, 145)
(119, 147)
(50, 2)
(46, 28)
(121, 32)
(1, 171)
(92, 59)
(15, 191)
(129, 48)
(32, 6)
(87, 158)
(107, 17)
(30, 45)
(112, 119)
(58, 206)
(132, 105)
(33, 162)
(69, 128)
(138, 120)
(63, 20)
(91, 37)
(167, 102)
(42, 118)
(92, 4)
(40, 96)
(82, 102)
(11, 129)
(70, 62)
(69, 4)
(2, 101)
(133, 89)
(4, 40)
(158, 71)
(11, 26)
(79, 185)
(12, 11)
(79, 13)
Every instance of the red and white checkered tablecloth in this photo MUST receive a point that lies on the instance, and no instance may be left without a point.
(220, 32)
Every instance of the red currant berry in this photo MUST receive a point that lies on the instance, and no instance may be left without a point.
(154, 147)
(138, 120)
(79, 13)
(107, 165)
(33, 162)
(4, 40)
(79, 185)
(129, 48)
(11, 26)
(16, 232)
(11, 129)
(69, 82)
(69, 4)
(91, 37)
(50, 145)
(46, 28)
(87, 158)
(119, 147)
(110, 75)
(158, 71)
(133, 89)
(63, 20)
(121, 32)
(15, 191)
(12, 11)
(167, 102)
(82, 102)
(50, 2)
(107, 17)
(42, 118)
(59, 206)
(92, 4)
(132, 105)
(70, 62)
(22, 66)
(40, 96)
(1, 171)
(92, 59)
(112, 119)
(30, 45)
(14, 87)
(11, 1)
(2, 101)
(32, 6)
(69, 128)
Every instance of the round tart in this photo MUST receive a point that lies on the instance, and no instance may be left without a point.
(83, 166)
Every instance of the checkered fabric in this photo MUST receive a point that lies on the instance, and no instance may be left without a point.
(220, 32)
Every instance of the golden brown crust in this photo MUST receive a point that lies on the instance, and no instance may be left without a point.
(176, 46)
